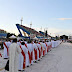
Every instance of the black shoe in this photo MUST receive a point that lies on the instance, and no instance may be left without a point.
(31, 64)
(35, 61)
(42, 56)
(27, 66)
(21, 70)
(5, 58)
(39, 60)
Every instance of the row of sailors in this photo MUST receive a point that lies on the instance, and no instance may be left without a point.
(31, 51)
(56, 43)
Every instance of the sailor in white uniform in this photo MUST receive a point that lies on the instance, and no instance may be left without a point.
(6, 50)
(22, 57)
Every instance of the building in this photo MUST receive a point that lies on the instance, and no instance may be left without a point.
(64, 37)
(3, 33)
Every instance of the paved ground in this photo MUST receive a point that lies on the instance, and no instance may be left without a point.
(57, 60)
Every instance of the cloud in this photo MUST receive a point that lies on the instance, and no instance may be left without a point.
(64, 18)
(56, 32)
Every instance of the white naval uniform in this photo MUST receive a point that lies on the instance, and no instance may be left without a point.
(9, 43)
(19, 43)
(25, 42)
(47, 45)
(21, 58)
(5, 50)
(42, 49)
(14, 51)
(30, 48)
(34, 47)
(39, 46)
(27, 58)
(44, 46)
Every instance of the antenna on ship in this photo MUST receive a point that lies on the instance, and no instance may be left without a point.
(30, 24)
(21, 20)
(41, 28)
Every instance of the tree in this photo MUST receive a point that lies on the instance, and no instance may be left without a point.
(8, 35)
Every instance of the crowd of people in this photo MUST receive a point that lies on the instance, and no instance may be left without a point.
(22, 53)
